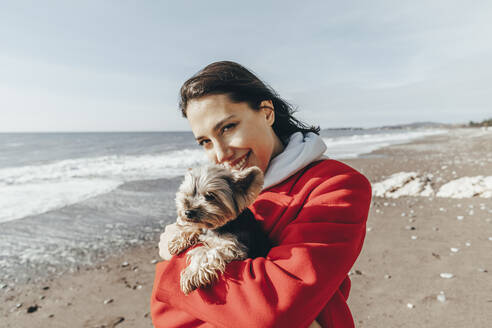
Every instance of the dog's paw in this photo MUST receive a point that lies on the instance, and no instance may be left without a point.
(188, 282)
(191, 280)
(182, 241)
(177, 245)
(204, 268)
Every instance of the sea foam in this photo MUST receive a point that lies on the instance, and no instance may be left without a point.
(35, 189)
(353, 146)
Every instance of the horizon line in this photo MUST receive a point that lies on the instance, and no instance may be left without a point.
(189, 131)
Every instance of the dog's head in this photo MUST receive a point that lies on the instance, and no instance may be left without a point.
(213, 195)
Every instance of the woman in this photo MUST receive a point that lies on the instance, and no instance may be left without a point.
(313, 209)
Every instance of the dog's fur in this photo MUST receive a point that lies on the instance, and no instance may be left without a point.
(212, 209)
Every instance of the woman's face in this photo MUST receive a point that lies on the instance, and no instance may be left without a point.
(234, 134)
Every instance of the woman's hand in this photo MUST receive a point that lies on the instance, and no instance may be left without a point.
(315, 324)
(169, 232)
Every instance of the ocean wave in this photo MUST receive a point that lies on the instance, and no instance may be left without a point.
(35, 189)
(18, 201)
(353, 146)
(125, 168)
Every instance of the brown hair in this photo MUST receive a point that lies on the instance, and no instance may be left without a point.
(241, 85)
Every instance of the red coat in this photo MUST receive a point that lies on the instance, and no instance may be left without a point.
(317, 222)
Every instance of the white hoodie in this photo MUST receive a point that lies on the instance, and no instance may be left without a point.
(299, 152)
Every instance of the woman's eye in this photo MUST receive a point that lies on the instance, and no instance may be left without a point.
(203, 142)
(228, 126)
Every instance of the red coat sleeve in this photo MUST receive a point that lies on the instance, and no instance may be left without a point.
(299, 276)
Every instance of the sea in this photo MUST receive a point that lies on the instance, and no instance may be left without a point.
(69, 200)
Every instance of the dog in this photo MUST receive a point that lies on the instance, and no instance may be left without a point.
(212, 210)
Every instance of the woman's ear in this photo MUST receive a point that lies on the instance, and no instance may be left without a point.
(267, 107)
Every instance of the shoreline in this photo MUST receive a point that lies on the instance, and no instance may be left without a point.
(392, 271)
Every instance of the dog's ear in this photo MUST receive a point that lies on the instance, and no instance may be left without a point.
(247, 185)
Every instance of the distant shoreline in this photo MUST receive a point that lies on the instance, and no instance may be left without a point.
(415, 125)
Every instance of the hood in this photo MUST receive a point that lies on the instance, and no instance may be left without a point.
(299, 152)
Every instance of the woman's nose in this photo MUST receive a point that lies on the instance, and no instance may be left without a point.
(223, 153)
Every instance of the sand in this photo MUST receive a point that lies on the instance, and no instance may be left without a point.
(426, 261)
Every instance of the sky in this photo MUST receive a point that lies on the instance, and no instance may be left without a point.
(118, 65)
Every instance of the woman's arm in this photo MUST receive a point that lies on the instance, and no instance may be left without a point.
(166, 316)
(293, 284)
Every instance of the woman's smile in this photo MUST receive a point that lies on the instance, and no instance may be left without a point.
(239, 163)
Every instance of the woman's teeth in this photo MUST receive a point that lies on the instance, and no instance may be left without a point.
(241, 163)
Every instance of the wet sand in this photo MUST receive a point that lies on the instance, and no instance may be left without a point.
(395, 282)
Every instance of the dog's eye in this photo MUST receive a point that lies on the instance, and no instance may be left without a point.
(209, 197)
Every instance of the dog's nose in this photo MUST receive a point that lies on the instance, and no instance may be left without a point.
(190, 214)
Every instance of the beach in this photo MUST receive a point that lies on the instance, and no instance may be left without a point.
(425, 262)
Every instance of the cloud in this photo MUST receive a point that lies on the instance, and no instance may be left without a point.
(344, 63)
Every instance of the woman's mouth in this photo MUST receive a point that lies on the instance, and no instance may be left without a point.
(241, 162)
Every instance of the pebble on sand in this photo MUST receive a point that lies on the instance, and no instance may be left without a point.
(454, 249)
(113, 322)
(441, 297)
(410, 305)
(414, 237)
(32, 308)
(460, 217)
(109, 300)
(446, 275)
(125, 264)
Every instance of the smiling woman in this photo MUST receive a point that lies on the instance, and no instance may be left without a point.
(312, 209)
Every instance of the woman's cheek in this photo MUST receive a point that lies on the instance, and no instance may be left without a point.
(211, 155)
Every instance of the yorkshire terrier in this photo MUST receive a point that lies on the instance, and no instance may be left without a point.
(212, 205)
